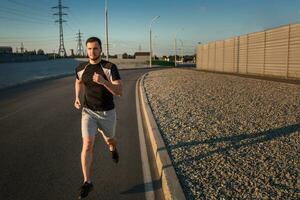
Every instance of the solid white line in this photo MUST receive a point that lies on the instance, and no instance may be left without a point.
(149, 192)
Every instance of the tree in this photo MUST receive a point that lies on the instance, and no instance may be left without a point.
(125, 56)
(40, 52)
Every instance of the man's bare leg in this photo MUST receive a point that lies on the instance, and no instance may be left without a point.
(87, 154)
(111, 142)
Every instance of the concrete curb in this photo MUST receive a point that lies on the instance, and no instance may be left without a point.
(170, 183)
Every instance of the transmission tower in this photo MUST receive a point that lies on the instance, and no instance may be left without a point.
(22, 47)
(80, 51)
(60, 13)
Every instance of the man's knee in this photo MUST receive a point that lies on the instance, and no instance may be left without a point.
(87, 145)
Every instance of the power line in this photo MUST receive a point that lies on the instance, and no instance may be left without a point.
(74, 17)
(24, 16)
(70, 27)
(29, 6)
(24, 20)
(49, 3)
(34, 41)
(24, 37)
(35, 12)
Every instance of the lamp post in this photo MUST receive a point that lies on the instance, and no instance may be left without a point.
(150, 59)
(181, 49)
(175, 48)
(106, 30)
(154, 46)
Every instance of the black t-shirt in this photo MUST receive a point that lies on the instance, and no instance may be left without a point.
(97, 97)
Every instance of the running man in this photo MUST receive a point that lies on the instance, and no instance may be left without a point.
(101, 81)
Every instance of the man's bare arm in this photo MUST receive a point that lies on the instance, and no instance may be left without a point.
(115, 87)
(78, 85)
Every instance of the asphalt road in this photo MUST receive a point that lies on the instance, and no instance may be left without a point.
(40, 144)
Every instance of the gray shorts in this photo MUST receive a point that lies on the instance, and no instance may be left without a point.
(98, 121)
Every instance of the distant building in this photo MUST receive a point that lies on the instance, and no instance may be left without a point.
(119, 56)
(165, 58)
(142, 56)
(5, 49)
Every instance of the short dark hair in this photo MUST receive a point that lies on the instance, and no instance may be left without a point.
(94, 39)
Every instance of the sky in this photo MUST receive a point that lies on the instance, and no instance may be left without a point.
(32, 22)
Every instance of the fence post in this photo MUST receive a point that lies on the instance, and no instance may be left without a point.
(238, 55)
(223, 54)
(264, 64)
(288, 53)
(208, 58)
(215, 56)
(233, 54)
(247, 54)
(202, 60)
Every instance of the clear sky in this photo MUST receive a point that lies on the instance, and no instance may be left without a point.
(192, 21)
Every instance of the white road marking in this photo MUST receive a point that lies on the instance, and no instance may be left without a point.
(149, 192)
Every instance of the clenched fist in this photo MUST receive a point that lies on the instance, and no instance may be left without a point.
(77, 104)
(97, 78)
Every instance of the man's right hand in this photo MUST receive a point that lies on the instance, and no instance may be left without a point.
(77, 104)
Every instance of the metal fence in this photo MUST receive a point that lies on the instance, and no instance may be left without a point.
(273, 52)
(6, 58)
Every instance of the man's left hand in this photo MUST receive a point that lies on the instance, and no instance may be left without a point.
(97, 78)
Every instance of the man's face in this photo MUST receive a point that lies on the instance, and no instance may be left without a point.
(93, 50)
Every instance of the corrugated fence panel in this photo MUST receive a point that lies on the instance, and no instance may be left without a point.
(256, 46)
(243, 54)
(205, 57)
(294, 52)
(199, 57)
(229, 55)
(274, 52)
(219, 56)
(236, 54)
(276, 58)
(211, 56)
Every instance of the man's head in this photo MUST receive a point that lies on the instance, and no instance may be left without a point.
(94, 48)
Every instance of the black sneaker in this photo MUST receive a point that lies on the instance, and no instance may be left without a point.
(115, 155)
(85, 189)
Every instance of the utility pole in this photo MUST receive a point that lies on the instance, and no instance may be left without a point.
(150, 57)
(80, 51)
(106, 30)
(60, 13)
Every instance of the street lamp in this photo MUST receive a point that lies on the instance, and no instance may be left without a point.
(175, 48)
(181, 49)
(155, 18)
(106, 30)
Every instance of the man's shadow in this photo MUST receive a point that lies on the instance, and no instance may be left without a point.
(234, 142)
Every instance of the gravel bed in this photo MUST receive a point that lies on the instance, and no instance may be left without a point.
(229, 137)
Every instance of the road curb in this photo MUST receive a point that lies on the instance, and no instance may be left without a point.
(170, 184)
